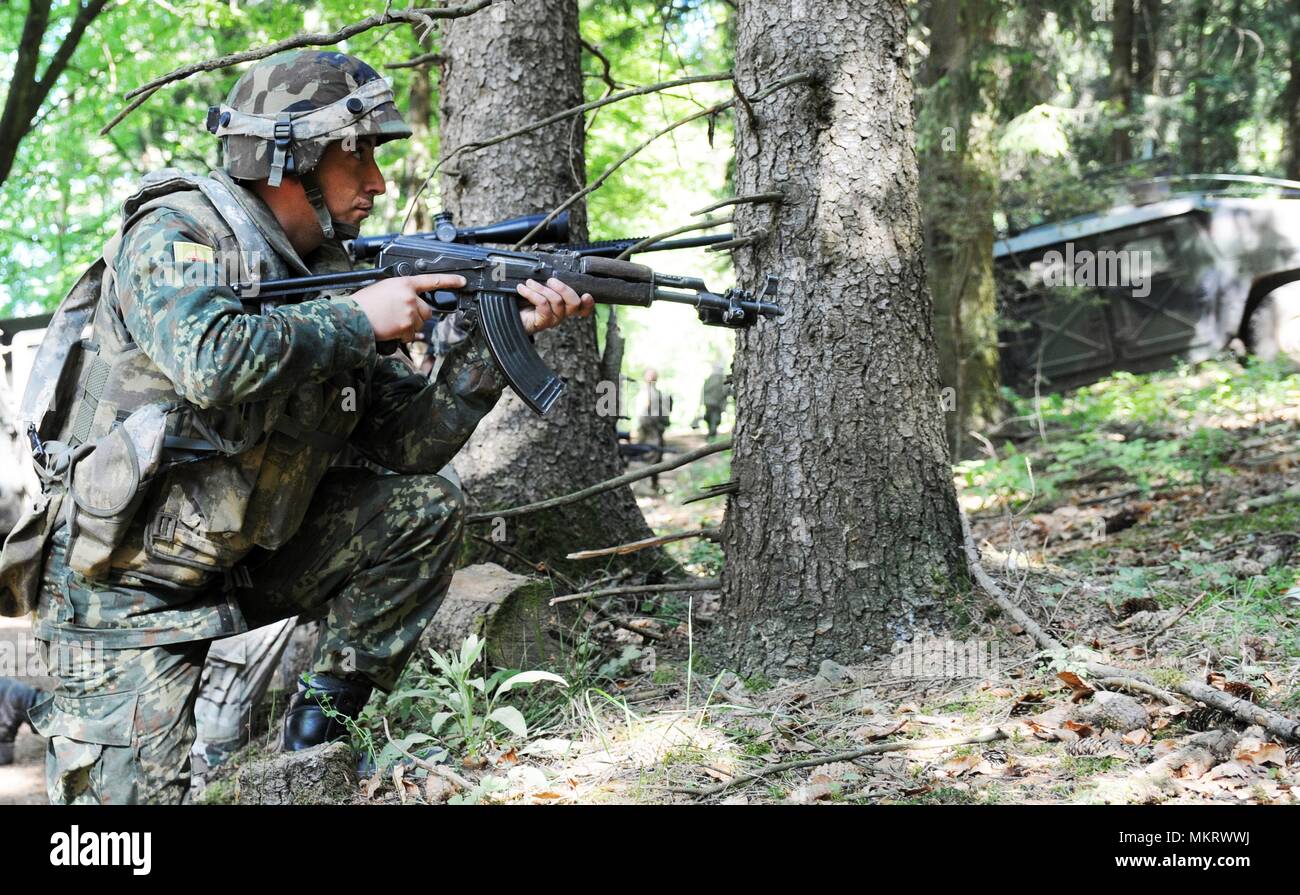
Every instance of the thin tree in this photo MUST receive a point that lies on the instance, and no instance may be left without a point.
(31, 83)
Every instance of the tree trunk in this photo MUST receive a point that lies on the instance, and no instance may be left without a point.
(1121, 81)
(27, 91)
(419, 159)
(844, 534)
(503, 68)
(959, 173)
(1291, 98)
(1146, 47)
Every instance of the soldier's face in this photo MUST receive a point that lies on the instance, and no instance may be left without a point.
(350, 180)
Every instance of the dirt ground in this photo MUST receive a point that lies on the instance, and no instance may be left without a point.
(1187, 581)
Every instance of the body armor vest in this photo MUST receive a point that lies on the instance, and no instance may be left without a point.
(151, 486)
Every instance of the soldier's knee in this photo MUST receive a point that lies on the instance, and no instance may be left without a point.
(433, 501)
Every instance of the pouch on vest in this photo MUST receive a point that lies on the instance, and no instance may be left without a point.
(23, 558)
(105, 485)
(51, 390)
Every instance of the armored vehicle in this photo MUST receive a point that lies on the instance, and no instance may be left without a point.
(1186, 267)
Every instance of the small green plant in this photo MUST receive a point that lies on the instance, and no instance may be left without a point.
(471, 710)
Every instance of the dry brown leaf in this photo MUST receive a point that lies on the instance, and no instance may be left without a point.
(1002, 692)
(371, 786)
(1079, 689)
(1256, 751)
(1139, 737)
(877, 731)
(1229, 769)
(811, 792)
(960, 764)
(437, 789)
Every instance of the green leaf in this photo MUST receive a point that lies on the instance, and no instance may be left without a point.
(401, 695)
(510, 718)
(530, 677)
(438, 720)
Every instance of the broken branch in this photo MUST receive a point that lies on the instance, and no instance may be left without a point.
(600, 488)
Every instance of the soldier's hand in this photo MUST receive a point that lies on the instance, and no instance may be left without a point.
(394, 307)
(551, 303)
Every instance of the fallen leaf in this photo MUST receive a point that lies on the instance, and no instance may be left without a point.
(1227, 770)
(371, 786)
(1079, 690)
(1257, 752)
(438, 789)
(811, 792)
(1139, 737)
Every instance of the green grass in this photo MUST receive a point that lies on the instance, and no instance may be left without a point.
(1139, 430)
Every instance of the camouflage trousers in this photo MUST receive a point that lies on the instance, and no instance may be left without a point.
(372, 560)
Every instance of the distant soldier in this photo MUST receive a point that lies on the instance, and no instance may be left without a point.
(16, 699)
(713, 400)
(654, 410)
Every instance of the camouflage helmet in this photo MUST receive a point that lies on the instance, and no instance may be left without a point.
(284, 112)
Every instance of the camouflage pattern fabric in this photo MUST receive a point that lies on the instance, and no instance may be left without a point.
(373, 560)
(199, 519)
(311, 86)
(713, 398)
(715, 391)
(655, 407)
(119, 729)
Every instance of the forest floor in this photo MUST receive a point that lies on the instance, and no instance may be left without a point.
(1152, 520)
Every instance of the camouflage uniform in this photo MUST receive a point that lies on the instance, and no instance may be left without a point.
(713, 398)
(235, 540)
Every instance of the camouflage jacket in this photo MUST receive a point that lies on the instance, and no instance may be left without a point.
(307, 373)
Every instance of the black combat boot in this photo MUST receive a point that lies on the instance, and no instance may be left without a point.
(16, 698)
(306, 724)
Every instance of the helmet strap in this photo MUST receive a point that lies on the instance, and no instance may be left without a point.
(311, 186)
(281, 158)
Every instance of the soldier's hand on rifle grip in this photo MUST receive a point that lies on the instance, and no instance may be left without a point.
(394, 306)
(551, 303)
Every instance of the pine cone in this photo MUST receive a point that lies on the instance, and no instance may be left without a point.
(1205, 718)
(1085, 746)
(1240, 690)
(1134, 605)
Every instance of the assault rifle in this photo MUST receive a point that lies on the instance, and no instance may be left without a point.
(489, 299)
(555, 233)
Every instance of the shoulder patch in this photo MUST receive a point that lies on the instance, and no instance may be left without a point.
(184, 252)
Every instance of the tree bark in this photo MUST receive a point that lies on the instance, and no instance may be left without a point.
(844, 533)
(959, 173)
(503, 68)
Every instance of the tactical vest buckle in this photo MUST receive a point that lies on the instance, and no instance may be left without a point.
(165, 528)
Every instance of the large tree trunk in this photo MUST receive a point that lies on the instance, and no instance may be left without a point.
(507, 66)
(959, 173)
(844, 534)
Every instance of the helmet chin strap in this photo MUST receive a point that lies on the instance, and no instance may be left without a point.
(311, 186)
(346, 231)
